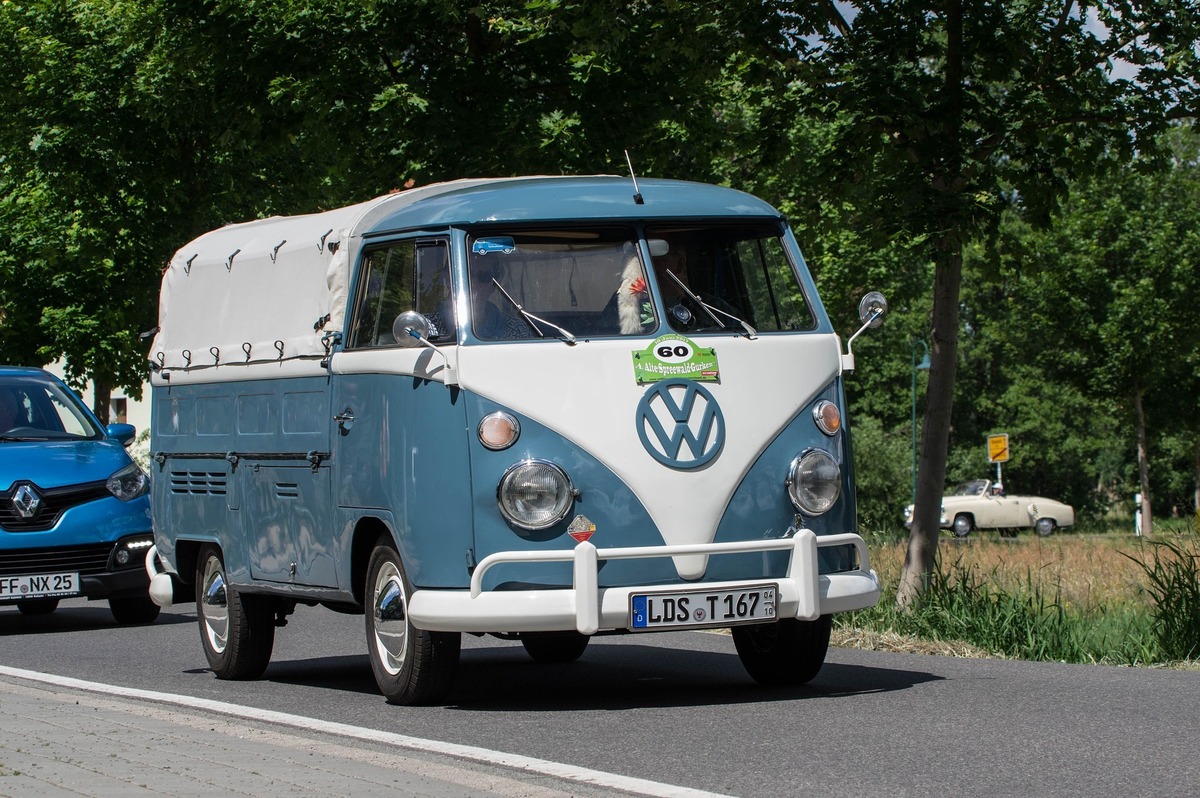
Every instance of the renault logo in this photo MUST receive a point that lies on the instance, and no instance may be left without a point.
(680, 424)
(26, 501)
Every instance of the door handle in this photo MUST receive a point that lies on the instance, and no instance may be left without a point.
(345, 420)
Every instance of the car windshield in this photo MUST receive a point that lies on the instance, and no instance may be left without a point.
(554, 283)
(740, 273)
(40, 409)
(976, 487)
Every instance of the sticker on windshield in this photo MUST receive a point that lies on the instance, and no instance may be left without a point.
(486, 246)
(674, 356)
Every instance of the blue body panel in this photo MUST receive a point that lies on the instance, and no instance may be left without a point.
(580, 199)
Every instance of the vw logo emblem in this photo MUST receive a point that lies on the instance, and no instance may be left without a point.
(26, 501)
(680, 424)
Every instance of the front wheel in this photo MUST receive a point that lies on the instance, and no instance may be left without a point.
(787, 652)
(411, 665)
(236, 630)
(962, 525)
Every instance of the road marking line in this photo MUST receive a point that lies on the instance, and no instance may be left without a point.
(544, 767)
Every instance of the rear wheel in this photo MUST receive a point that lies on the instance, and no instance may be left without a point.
(786, 652)
(963, 525)
(554, 646)
(411, 666)
(1045, 526)
(134, 610)
(37, 606)
(237, 630)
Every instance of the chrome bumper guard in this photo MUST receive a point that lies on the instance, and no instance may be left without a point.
(803, 592)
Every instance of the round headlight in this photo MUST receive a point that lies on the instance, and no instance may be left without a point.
(534, 494)
(814, 482)
(498, 430)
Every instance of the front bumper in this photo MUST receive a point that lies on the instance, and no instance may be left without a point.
(100, 575)
(587, 608)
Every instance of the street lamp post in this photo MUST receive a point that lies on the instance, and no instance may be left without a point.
(923, 365)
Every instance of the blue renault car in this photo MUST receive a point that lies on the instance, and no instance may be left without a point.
(74, 507)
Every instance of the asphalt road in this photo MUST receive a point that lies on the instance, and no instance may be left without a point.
(680, 709)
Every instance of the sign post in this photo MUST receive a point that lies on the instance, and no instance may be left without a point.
(998, 453)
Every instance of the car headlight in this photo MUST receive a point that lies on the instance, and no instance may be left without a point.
(814, 482)
(128, 483)
(535, 494)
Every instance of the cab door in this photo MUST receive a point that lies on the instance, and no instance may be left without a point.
(399, 433)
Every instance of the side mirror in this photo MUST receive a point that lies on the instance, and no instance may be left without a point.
(870, 312)
(124, 433)
(871, 309)
(410, 328)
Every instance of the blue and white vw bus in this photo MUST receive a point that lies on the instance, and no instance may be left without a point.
(542, 408)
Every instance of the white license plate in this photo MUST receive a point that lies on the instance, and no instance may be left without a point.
(751, 604)
(40, 586)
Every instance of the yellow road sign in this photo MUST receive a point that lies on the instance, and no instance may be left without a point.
(998, 448)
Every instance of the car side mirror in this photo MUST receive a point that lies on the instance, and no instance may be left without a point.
(871, 309)
(410, 329)
(125, 433)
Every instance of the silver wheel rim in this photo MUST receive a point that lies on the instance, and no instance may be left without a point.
(1045, 526)
(962, 527)
(214, 606)
(390, 610)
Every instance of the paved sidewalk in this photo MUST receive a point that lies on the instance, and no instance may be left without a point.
(62, 742)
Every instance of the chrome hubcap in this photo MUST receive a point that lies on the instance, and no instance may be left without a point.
(214, 606)
(390, 610)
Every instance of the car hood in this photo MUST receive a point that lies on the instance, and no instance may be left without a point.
(54, 464)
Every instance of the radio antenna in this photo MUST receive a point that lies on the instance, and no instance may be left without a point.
(637, 194)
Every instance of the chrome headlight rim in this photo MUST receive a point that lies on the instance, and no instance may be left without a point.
(799, 490)
(562, 508)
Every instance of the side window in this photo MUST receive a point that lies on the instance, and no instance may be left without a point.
(407, 275)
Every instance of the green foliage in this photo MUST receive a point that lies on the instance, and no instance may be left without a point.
(882, 473)
(1173, 570)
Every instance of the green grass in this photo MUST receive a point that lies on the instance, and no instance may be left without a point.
(1027, 617)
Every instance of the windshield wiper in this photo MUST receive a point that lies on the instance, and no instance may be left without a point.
(530, 318)
(710, 310)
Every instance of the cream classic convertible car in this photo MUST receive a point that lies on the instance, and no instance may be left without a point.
(974, 505)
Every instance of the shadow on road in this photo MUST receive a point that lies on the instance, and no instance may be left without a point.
(502, 679)
(70, 618)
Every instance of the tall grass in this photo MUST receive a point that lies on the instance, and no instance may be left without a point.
(1174, 584)
(1068, 599)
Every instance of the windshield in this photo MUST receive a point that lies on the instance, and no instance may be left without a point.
(554, 283)
(40, 409)
(740, 273)
(975, 487)
(579, 282)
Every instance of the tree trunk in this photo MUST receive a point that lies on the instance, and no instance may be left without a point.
(1143, 458)
(921, 555)
(101, 400)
